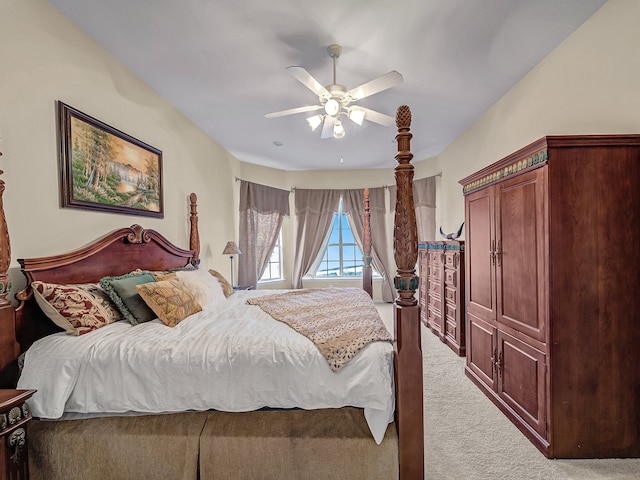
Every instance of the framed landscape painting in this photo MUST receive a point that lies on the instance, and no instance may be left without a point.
(102, 168)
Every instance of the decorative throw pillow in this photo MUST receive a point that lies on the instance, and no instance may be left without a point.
(165, 274)
(162, 276)
(170, 300)
(78, 309)
(203, 286)
(227, 289)
(102, 299)
(186, 267)
(122, 291)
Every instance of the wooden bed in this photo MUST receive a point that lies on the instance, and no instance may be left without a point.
(262, 444)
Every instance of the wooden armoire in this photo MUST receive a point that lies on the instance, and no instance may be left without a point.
(553, 292)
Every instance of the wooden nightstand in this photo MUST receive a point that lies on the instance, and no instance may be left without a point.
(14, 415)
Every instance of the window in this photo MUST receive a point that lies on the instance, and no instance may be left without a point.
(274, 267)
(342, 257)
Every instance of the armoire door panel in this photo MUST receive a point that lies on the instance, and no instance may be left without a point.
(478, 222)
(520, 254)
(521, 381)
(481, 350)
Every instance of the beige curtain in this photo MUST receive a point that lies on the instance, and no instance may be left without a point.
(314, 211)
(262, 209)
(353, 206)
(424, 199)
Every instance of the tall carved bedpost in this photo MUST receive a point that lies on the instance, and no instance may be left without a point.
(5, 252)
(408, 348)
(8, 346)
(194, 235)
(367, 274)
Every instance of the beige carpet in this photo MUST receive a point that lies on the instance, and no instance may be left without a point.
(467, 438)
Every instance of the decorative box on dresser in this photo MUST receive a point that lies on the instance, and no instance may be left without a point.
(441, 292)
(552, 301)
(14, 416)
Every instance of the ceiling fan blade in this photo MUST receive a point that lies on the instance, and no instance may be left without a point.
(377, 117)
(308, 81)
(292, 111)
(327, 128)
(388, 80)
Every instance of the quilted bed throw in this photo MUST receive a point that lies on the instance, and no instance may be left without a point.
(340, 321)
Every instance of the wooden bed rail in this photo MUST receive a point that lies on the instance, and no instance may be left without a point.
(408, 348)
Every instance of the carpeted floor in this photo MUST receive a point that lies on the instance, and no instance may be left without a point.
(467, 438)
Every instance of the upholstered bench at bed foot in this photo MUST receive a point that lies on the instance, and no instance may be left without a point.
(295, 444)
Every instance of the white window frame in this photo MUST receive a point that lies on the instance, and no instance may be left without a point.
(277, 251)
(321, 256)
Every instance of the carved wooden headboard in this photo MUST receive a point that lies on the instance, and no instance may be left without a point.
(115, 253)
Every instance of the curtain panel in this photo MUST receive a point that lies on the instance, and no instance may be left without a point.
(314, 211)
(424, 199)
(353, 206)
(262, 210)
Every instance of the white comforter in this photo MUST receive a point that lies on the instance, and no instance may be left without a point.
(231, 358)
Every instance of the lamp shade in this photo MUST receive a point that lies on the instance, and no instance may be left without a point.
(314, 122)
(231, 249)
(356, 115)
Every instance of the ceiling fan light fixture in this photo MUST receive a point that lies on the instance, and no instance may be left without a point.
(356, 115)
(314, 122)
(332, 107)
(335, 100)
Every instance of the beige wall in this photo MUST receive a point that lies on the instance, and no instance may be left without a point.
(587, 85)
(44, 57)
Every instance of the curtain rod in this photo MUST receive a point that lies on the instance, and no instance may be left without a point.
(238, 179)
(386, 187)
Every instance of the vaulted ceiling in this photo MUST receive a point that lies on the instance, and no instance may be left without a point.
(223, 65)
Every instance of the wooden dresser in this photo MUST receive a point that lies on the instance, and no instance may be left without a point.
(441, 293)
(552, 301)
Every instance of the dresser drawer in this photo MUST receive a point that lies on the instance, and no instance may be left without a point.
(451, 277)
(435, 272)
(434, 319)
(451, 329)
(435, 303)
(450, 294)
(450, 311)
(449, 260)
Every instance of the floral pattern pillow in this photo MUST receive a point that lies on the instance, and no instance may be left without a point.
(78, 309)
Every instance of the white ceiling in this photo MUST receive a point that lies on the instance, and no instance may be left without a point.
(222, 64)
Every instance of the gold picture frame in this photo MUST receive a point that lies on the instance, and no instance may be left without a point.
(104, 169)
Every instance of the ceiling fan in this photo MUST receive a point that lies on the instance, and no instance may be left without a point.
(336, 100)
